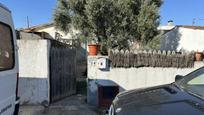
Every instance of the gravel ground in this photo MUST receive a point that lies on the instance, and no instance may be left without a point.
(74, 105)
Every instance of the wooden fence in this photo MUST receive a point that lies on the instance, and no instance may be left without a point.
(145, 58)
(62, 73)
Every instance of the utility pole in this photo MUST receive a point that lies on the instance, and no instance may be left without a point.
(28, 23)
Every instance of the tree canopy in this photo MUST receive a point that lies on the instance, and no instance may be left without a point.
(116, 23)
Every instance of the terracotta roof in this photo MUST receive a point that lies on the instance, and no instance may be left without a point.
(33, 28)
(192, 27)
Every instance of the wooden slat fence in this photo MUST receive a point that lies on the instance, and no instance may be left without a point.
(127, 59)
(63, 73)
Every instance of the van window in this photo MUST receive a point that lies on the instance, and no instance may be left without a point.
(6, 48)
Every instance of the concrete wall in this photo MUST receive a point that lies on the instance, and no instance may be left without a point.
(33, 71)
(130, 78)
(181, 38)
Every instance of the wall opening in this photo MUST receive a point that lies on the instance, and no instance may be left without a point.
(106, 95)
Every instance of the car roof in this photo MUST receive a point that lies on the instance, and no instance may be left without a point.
(4, 7)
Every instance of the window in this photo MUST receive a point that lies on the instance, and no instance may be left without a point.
(6, 48)
(196, 85)
(194, 82)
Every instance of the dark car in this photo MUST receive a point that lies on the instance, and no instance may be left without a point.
(183, 97)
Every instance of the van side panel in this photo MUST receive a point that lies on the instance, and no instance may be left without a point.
(8, 78)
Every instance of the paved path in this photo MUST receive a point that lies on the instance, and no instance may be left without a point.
(74, 105)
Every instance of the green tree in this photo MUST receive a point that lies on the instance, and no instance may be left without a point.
(148, 21)
(116, 23)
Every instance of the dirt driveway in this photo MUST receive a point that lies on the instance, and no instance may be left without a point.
(74, 105)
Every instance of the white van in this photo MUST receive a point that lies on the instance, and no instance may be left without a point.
(8, 64)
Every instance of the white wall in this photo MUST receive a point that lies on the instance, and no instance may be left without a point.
(191, 39)
(182, 38)
(130, 78)
(33, 70)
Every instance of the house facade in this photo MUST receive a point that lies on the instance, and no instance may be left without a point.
(51, 31)
(182, 38)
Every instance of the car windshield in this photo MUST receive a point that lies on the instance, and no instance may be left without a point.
(194, 82)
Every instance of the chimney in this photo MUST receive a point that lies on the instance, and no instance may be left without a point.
(170, 23)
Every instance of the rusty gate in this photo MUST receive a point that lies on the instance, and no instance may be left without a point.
(62, 73)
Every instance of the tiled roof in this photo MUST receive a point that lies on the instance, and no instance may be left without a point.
(192, 27)
(33, 28)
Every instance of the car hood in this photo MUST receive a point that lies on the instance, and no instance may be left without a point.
(161, 100)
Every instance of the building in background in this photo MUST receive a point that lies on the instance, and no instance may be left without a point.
(49, 31)
(182, 38)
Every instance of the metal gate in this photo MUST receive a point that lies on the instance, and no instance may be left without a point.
(62, 73)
